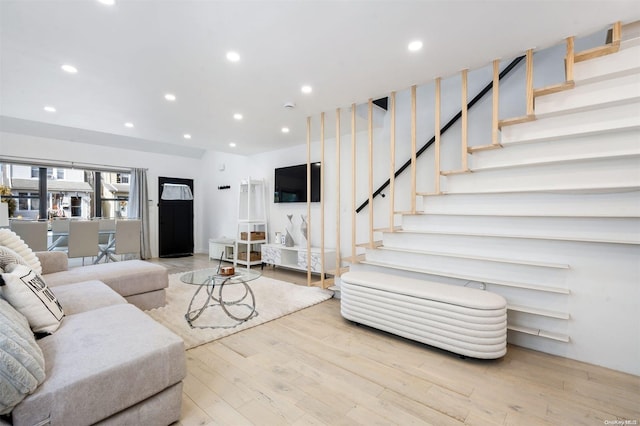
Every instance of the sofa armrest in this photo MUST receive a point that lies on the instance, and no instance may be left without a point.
(53, 261)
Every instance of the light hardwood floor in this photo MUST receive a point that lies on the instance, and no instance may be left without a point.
(315, 368)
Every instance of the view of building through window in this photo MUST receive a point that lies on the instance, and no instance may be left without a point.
(69, 192)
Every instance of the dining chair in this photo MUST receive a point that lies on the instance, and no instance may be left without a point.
(33, 233)
(83, 239)
(59, 234)
(106, 239)
(127, 237)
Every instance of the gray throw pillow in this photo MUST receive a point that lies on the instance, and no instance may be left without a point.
(21, 359)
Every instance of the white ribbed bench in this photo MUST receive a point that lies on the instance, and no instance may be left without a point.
(463, 320)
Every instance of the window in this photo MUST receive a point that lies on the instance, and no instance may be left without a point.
(122, 178)
(35, 172)
(59, 173)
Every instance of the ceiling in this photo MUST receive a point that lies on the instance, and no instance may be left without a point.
(131, 54)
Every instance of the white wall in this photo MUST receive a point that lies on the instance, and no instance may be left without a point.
(29, 147)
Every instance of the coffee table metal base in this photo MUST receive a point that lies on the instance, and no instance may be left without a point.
(247, 300)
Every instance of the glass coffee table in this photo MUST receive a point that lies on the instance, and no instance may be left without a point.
(234, 296)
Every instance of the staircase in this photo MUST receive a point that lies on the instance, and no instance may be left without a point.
(550, 219)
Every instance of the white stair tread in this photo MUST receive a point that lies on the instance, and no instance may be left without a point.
(581, 123)
(523, 236)
(538, 332)
(541, 312)
(600, 188)
(483, 258)
(575, 158)
(536, 287)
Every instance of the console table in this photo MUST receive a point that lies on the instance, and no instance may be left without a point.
(296, 257)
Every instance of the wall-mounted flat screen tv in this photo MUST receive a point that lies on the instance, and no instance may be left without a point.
(290, 184)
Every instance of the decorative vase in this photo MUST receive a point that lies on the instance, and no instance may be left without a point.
(288, 238)
(303, 229)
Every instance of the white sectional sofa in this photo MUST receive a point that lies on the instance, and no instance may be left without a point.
(107, 362)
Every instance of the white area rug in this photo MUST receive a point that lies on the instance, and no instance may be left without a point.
(274, 299)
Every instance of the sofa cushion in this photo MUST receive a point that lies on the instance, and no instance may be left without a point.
(28, 293)
(126, 278)
(85, 296)
(21, 359)
(11, 240)
(99, 363)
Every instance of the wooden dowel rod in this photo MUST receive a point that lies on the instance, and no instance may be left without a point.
(569, 59)
(496, 100)
(392, 162)
(437, 136)
(464, 124)
(338, 256)
(353, 183)
(308, 200)
(530, 111)
(370, 128)
(616, 35)
(321, 204)
(413, 149)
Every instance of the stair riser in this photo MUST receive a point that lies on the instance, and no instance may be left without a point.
(577, 229)
(582, 123)
(616, 91)
(622, 204)
(471, 267)
(582, 175)
(591, 146)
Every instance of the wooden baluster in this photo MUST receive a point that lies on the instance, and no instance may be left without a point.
(392, 162)
(464, 124)
(413, 149)
(437, 136)
(338, 260)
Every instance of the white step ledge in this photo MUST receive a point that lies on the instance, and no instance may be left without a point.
(540, 312)
(546, 289)
(540, 333)
(481, 258)
(525, 237)
(575, 159)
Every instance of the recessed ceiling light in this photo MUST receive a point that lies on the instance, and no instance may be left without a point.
(170, 97)
(69, 68)
(306, 89)
(187, 136)
(285, 130)
(129, 125)
(233, 56)
(232, 144)
(415, 45)
(237, 116)
(49, 109)
(107, 2)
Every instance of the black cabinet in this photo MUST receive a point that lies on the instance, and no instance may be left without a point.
(175, 221)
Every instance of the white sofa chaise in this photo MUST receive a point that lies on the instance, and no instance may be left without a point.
(141, 283)
(462, 320)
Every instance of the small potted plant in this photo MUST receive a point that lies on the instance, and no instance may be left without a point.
(5, 194)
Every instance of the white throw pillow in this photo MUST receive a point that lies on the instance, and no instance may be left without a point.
(8, 256)
(28, 293)
(21, 359)
(11, 240)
